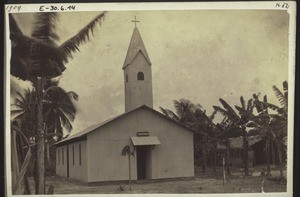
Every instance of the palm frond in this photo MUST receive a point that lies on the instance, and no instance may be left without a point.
(72, 95)
(65, 122)
(279, 95)
(285, 92)
(267, 105)
(31, 57)
(170, 114)
(199, 114)
(221, 111)
(243, 102)
(69, 111)
(44, 27)
(163, 111)
(126, 151)
(14, 26)
(285, 86)
(16, 111)
(212, 116)
(19, 117)
(180, 107)
(229, 109)
(244, 112)
(250, 105)
(71, 45)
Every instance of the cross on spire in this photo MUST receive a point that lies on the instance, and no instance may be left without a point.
(135, 21)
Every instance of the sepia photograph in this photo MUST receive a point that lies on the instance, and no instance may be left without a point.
(150, 99)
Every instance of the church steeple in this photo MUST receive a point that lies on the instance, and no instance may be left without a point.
(136, 45)
(137, 74)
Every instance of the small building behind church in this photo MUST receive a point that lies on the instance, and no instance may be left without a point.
(162, 147)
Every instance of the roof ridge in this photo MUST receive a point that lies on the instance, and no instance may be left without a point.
(95, 126)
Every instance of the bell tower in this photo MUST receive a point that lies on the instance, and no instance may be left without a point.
(137, 74)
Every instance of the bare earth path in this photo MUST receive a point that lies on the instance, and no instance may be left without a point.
(210, 183)
(198, 185)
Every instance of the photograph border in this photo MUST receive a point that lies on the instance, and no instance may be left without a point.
(162, 6)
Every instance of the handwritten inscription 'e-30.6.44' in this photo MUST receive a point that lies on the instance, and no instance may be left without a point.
(57, 8)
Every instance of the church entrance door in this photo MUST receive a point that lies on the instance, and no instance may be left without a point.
(143, 159)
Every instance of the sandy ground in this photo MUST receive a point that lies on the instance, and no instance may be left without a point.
(212, 183)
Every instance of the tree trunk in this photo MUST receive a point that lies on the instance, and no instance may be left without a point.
(129, 172)
(14, 162)
(41, 140)
(246, 153)
(215, 156)
(22, 157)
(268, 156)
(227, 157)
(273, 152)
(204, 159)
(48, 153)
(279, 151)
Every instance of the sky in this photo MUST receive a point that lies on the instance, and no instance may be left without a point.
(198, 55)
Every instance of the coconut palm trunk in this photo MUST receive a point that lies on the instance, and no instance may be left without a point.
(38, 57)
(22, 157)
(41, 139)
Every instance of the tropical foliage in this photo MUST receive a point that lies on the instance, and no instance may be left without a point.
(242, 121)
(37, 59)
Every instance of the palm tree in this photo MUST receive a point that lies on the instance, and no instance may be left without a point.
(185, 110)
(128, 152)
(193, 116)
(24, 112)
(38, 58)
(58, 109)
(58, 112)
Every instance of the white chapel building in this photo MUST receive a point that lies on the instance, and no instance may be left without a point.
(162, 147)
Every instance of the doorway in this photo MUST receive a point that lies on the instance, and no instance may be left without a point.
(143, 154)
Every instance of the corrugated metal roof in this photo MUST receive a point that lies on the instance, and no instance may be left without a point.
(136, 45)
(145, 140)
(89, 129)
(93, 127)
(237, 143)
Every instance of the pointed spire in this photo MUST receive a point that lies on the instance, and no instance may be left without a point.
(136, 45)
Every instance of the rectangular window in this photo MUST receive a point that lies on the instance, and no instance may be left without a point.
(80, 154)
(73, 154)
(62, 158)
